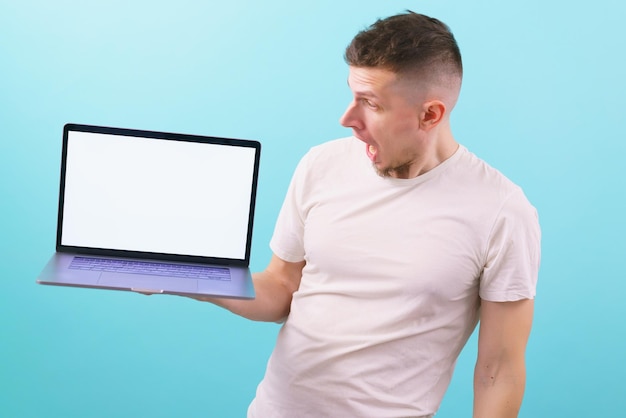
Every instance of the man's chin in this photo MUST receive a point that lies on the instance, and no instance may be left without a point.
(382, 171)
(400, 172)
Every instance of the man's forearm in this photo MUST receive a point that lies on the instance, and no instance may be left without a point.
(271, 302)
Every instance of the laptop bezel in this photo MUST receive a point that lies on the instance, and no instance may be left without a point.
(108, 252)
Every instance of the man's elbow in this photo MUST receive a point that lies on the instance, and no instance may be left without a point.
(499, 386)
(508, 369)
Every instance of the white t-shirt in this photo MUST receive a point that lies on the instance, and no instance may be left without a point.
(390, 291)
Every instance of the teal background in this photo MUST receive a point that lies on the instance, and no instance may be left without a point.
(543, 101)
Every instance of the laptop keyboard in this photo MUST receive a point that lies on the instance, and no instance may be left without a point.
(151, 268)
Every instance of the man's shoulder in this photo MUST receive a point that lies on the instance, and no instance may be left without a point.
(333, 153)
(474, 168)
(485, 183)
(334, 146)
(332, 161)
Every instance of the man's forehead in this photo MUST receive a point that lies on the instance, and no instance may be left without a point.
(370, 80)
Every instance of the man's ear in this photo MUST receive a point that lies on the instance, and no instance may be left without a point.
(432, 113)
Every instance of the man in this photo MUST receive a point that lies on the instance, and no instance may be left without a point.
(381, 276)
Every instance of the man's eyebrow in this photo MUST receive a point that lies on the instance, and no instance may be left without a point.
(363, 93)
(366, 93)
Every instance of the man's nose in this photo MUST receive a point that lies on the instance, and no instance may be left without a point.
(349, 118)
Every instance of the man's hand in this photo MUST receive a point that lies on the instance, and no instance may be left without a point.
(273, 287)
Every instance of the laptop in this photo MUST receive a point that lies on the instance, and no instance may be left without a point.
(155, 212)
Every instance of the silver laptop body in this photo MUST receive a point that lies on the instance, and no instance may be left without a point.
(155, 212)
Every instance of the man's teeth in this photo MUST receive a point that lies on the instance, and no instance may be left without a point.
(372, 149)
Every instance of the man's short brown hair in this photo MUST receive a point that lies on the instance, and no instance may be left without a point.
(408, 43)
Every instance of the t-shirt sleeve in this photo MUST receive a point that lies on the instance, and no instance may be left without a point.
(513, 253)
(288, 239)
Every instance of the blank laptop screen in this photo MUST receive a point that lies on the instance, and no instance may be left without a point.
(157, 195)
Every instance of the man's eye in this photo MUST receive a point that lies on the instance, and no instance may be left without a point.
(369, 103)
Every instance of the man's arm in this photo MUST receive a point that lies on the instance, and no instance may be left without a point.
(500, 374)
(274, 288)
